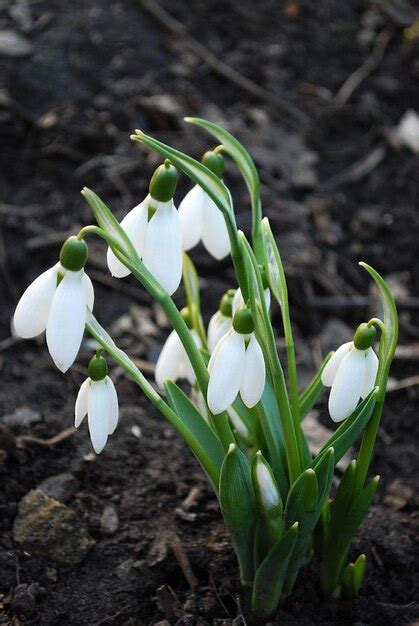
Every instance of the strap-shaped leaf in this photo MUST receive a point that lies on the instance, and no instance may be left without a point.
(207, 448)
(313, 391)
(352, 577)
(389, 338)
(237, 502)
(302, 498)
(269, 579)
(349, 431)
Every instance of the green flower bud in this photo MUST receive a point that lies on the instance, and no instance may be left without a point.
(364, 336)
(226, 304)
(98, 368)
(243, 321)
(214, 161)
(187, 318)
(163, 182)
(73, 254)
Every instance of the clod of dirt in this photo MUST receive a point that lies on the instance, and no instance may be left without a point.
(24, 599)
(109, 522)
(60, 487)
(45, 526)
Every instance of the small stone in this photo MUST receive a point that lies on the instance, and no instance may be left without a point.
(14, 45)
(109, 522)
(60, 487)
(46, 527)
(136, 431)
(23, 416)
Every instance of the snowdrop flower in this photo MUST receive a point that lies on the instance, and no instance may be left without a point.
(200, 217)
(236, 366)
(406, 132)
(154, 229)
(56, 301)
(351, 373)
(173, 362)
(221, 322)
(98, 400)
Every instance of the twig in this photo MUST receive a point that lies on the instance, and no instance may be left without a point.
(64, 434)
(183, 561)
(404, 383)
(355, 79)
(220, 67)
(357, 170)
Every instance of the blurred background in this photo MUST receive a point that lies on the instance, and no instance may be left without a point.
(324, 95)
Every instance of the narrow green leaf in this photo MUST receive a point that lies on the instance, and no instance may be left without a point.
(237, 502)
(302, 497)
(352, 578)
(349, 431)
(193, 298)
(313, 391)
(207, 448)
(388, 343)
(269, 579)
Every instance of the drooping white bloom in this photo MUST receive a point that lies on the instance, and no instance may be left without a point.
(99, 401)
(406, 132)
(235, 368)
(351, 374)
(173, 362)
(218, 326)
(158, 242)
(60, 309)
(201, 219)
(238, 301)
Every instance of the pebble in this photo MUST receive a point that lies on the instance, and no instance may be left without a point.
(49, 528)
(109, 522)
(60, 487)
(14, 45)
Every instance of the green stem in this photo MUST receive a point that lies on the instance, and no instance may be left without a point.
(367, 447)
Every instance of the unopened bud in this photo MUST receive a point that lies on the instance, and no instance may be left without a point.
(73, 254)
(364, 336)
(243, 321)
(163, 182)
(98, 368)
(214, 161)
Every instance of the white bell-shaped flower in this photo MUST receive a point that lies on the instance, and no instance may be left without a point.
(99, 401)
(221, 322)
(173, 362)
(238, 301)
(236, 366)
(58, 306)
(154, 229)
(202, 220)
(351, 374)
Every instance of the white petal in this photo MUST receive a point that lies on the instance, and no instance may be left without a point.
(98, 414)
(170, 358)
(135, 226)
(163, 246)
(267, 293)
(218, 326)
(217, 349)
(330, 370)
(32, 310)
(82, 403)
(347, 386)
(226, 373)
(66, 319)
(214, 230)
(238, 301)
(253, 381)
(187, 370)
(191, 211)
(89, 291)
(371, 368)
(113, 405)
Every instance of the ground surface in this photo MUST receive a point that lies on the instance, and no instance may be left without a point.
(87, 74)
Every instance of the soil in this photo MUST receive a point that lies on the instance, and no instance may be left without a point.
(92, 72)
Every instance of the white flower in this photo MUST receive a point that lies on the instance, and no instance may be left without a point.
(407, 131)
(267, 489)
(351, 374)
(158, 242)
(61, 310)
(173, 362)
(218, 326)
(238, 301)
(235, 368)
(98, 399)
(201, 219)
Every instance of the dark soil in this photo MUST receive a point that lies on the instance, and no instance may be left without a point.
(95, 72)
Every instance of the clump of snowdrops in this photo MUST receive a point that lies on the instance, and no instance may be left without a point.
(243, 418)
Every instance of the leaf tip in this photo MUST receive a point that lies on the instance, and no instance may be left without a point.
(231, 448)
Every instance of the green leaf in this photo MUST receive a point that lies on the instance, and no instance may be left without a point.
(349, 431)
(313, 391)
(207, 447)
(236, 150)
(200, 174)
(352, 578)
(237, 502)
(193, 298)
(269, 579)
(388, 342)
(302, 498)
